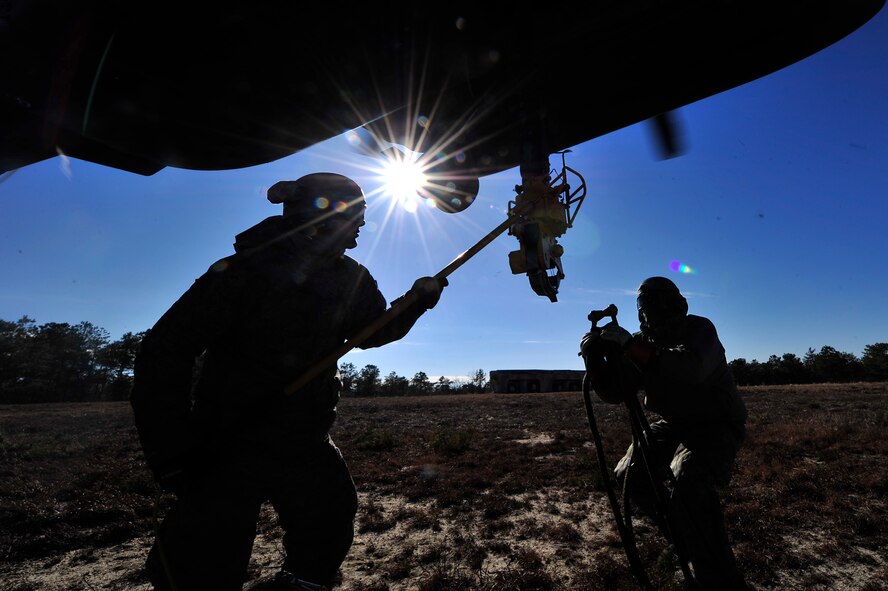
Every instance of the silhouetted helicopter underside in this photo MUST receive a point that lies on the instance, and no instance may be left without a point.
(475, 87)
(141, 86)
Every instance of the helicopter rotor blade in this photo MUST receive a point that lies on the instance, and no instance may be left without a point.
(668, 135)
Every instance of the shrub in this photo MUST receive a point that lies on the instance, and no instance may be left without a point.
(451, 442)
(375, 440)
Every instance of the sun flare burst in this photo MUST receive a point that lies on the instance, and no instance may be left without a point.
(404, 181)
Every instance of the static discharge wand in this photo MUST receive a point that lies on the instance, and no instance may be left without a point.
(540, 214)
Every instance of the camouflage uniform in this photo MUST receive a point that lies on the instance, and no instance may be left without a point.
(259, 319)
(689, 384)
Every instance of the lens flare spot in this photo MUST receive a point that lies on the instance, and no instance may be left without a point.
(409, 204)
(679, 267)
(422, 121)
(322, 203)
(340, 206)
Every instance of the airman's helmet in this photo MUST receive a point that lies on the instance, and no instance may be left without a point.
(661, 308)
(319, 196)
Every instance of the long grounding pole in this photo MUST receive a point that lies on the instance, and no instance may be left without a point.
(395, 311)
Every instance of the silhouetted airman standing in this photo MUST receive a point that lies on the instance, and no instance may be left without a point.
(227, 438)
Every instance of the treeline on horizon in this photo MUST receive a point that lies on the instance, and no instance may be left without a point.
(61, 362)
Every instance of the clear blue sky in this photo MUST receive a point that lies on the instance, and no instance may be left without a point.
(780, 207)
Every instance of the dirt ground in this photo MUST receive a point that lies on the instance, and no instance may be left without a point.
(488, 492)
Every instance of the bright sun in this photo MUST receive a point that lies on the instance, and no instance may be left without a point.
(404, 181)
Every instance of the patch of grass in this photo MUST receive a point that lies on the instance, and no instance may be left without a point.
(446, 577)
(813, 462)
(398, 570)
(449, 441)
(525, 573)
(374, 440)
(495, 505)
(431, 554)
(563, 532)
(426, 519)
(817, 582)
(374, 519)
(605, 573)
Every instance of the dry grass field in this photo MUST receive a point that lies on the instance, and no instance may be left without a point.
(487, 492)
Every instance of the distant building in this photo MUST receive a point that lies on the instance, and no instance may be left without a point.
(537, 380)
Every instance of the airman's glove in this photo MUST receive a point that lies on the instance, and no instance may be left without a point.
(169, 473)
(640, 352)
(171, 466)
(428, 291)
